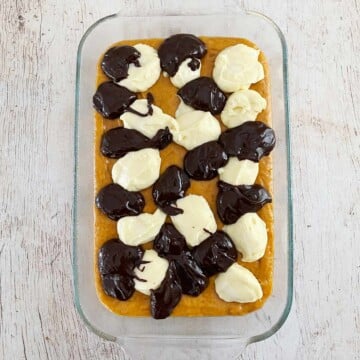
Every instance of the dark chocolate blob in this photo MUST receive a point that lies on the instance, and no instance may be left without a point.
(215, 254)
(175, 49)
(164, 299)
(116, 262)
(161, 139)
(203, 94)
(251, 140)
(115, 202)
(111, 100)
(116, 61)
(170, 186)
(203, 162)
(234, 201)
(115, 257)
(117, 142)
(169, 243)
(118, 286)
(192, 279)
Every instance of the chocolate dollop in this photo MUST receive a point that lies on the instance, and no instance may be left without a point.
(234, 201)
(117, 142)
(251, 140)
(192, 279)
(203, 94)
(164, 299)
(116, 61)
(169, 243)
(118, 286)
(161, 139)
(111, 100)
(170, 186)
(203, 162)
(115, 257)
(116, 262)
(215, 254)
(116, 202)
(175, 49)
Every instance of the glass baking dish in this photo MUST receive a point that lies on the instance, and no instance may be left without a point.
(210, 337)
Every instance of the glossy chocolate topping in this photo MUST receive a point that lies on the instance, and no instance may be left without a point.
(203, 162)
(116, 263)
(171, 186)
(251, 140)
(117, 142)
(118, 286)
(167, 296)
(115, 202)
(111, 100)
(115, 257)
(175, 49)
(116, 61)
(234, 201)
(192, 279)
(203, 94)
(161, 139)
(215, 254)
(169, 243)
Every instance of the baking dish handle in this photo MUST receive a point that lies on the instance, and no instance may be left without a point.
(213, 7)
(181, 349)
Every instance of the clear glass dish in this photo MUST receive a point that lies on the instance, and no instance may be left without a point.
(183, 338)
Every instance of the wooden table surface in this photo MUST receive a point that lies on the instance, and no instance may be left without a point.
(39, 39)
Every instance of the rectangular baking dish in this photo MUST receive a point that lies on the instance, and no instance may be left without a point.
(183, 338)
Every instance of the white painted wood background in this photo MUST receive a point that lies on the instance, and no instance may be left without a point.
(39, 39)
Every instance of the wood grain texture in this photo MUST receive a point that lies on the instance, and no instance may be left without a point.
(38, 42)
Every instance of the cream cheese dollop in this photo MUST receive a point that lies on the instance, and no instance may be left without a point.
(242, 106)
(140, 229)
(137, 170)
(148, 125)
(185, 74)
(237, 67)
(183, 108)
(196, 221)
(151, 272)
(141, 78)
(249, 236)
(238, 284)
(239, 172)
(196, 128)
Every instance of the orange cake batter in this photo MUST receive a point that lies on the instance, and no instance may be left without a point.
(207, 303)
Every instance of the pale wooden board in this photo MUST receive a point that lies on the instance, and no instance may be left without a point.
(38, 41)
